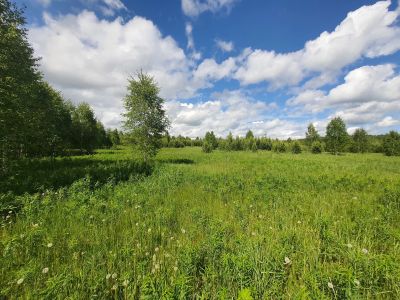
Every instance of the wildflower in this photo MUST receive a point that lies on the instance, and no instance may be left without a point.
(125, 283)
(298, 222)
(175, 268)
(356, 282)
(137, 224)
(91, 217)
(147, 253)
(103, 220)
(114, 287)
(349, 245)
(49, 245)
(108, 276)
(171, 238)
(20, 281)
(287, 261)
(270, 227)
(149, 230)
(251, 205)
(113, 276)
(157, 249)
(253, 233)
(354, 198)
(365, 251)
(330, 285)
(36, 225)
(183, 231)
(45, 270)
(10, 212)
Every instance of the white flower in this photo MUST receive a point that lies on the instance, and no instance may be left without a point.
(330, 285)
(157, 249)
(114, 287)
(49, 245)
(349, 245)
(113, 276)
(183, 231)
(253, 233)
(356, 282)
(20, 281)
(45, 270)
(365, 251)
(175, 268)
(149, 230)
(125, 283)
(137, 224)
(36, 225)
(287, 261)
(108, 276)
(298, 222)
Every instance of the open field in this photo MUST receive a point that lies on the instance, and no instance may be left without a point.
(207, 226)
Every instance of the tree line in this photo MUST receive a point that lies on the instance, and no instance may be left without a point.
(35, 119)
(336, 141)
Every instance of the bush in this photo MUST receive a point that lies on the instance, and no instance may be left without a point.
(296, 148)
(391, 144)
(207, 147)
(316, 147)
(279, 147)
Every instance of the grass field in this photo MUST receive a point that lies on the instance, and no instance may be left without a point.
(225, 225)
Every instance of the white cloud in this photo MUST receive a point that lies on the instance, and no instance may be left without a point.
(190, 41)
(193, 8)
(209, 70)
(388, 121)
(225, 46)
(90, 59)
(115, 4)
(369, 31)
(228, 111)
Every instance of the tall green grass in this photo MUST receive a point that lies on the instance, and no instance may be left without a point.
(212, 226)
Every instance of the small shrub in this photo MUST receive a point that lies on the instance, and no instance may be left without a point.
(391, 144)
(207, 147)
(296, 148)
(316, 148)
(279, 147)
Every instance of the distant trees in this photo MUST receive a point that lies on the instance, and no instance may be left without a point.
(296, 148)
(360, 141)
(312, 135)
(336, 136)
(145, 119)
(316, 147)
(391, 144)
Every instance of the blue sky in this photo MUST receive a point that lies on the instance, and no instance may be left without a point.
(228, 65)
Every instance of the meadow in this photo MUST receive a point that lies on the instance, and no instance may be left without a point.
(224, 225)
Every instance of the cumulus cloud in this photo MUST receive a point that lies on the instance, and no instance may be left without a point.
(225, 46)
(226, 111)
(388, 122)
(193, 8)
(90, 59)
(369, 31)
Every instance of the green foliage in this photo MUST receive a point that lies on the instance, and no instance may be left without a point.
(249, 135)
(207, 147)
(391, 144)
(245, 294)
(312, 135)
(336, 136)
(207, 226)
(279, 147)
(360, 141)
(211, 140)
(317, 147)
(296, 148)
(145, 118)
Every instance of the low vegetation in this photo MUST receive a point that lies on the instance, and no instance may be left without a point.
(221, 225)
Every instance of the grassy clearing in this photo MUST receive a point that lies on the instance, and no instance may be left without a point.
(211, 226)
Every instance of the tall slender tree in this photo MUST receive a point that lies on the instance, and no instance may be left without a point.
(336, 136)
(145, 118)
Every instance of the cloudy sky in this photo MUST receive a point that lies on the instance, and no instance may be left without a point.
(271, 66)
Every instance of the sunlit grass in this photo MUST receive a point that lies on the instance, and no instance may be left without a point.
(213, 226)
